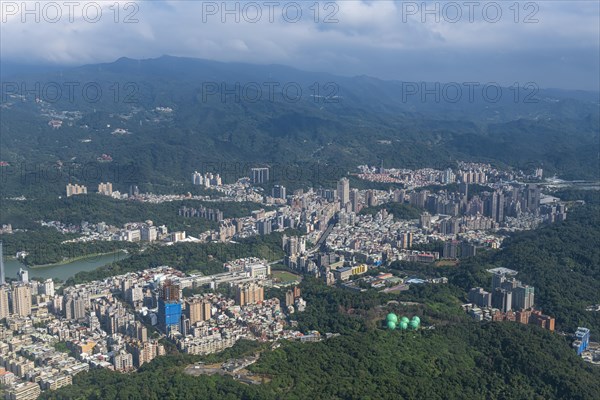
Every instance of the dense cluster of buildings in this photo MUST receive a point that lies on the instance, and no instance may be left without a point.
(211, 214)
(130, 232)
(509, 300)
(104, 188)
(47, 338)
(209, 322)
(464, 221)
(467, 172)
(330, 267)
(105, 324)
(504, 199)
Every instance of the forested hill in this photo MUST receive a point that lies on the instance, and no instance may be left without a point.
(460, 361)
(562, 262)
(161, 119)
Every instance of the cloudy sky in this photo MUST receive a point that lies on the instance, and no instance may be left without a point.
(551, 43)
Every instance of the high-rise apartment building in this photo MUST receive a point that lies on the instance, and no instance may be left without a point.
(343, 190)
(249, 293)
(293, 245)
(480, 297)
(399, 195)
(463, 188)
(497, 280)
(4, 309)
(450, 249)
(48, 287)
(289, 298)
(502, 299)
(169, 307)
(541, 320)
(425, 220)
(523, 297)
(170, 291)
(493, 206)
(197, 178)
(73, 190)
(134, 191)
(105, 189)
(405, 239)
(75, 307)
(264, 227)
(206, 311)
(500, 206)
(370, 198)
(467, 250)
(198, 310)
(123, 361)
(278, 192)
(533, 197)
(21, 300)
(355, 200)
(206, 180)
(259, 175)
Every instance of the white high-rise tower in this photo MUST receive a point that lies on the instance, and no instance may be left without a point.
(2, 279)
(343, 191)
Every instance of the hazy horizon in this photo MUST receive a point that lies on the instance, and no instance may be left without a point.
(8, 69)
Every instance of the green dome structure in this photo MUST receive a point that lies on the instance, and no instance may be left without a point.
(392, 317)
(393, 322)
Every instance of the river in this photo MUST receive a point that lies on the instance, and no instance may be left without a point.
(63, 271)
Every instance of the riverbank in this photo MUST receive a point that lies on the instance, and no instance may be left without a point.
(75, 259)
(63, 270)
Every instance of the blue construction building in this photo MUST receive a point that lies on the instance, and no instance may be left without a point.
(582, 340)
(169, 315)
(169, 307)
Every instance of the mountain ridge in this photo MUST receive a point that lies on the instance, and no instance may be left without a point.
(186, 109)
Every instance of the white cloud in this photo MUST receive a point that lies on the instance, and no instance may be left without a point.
(387, 31)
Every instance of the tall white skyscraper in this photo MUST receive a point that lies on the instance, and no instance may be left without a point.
(4, 310)
(343, 189)
(2, 278)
